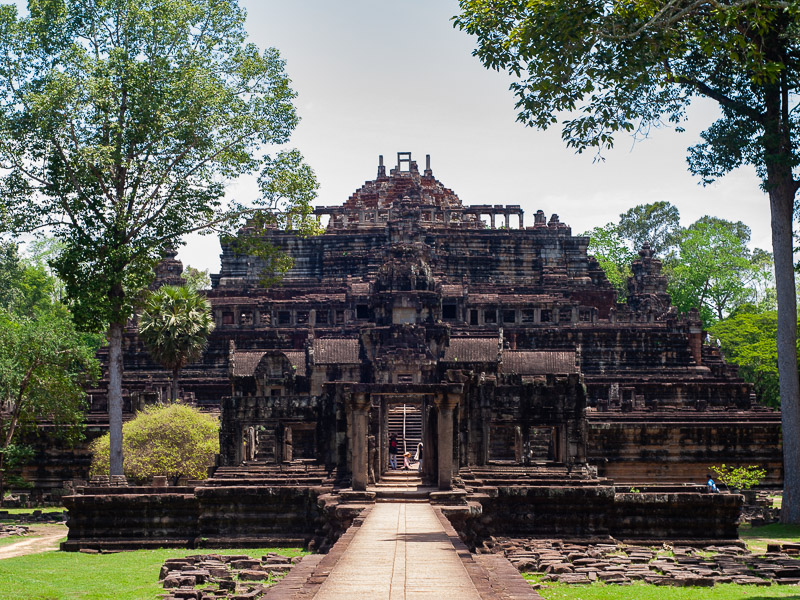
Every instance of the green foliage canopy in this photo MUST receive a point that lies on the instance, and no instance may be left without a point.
(172, 440)
(739, 478)
(715, 270)
(120, 123)
(748, 339)
(656, 224)
(613, 254)
(175, 326)
(44, 362)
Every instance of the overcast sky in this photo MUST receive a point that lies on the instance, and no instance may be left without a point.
(377, 77)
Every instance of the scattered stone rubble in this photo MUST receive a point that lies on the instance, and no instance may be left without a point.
(759, 509)
(674, 565)
(218, 577)
(9, 530)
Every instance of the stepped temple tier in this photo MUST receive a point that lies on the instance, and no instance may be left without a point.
(495, 342)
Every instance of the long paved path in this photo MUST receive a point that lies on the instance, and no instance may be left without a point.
(401, 552)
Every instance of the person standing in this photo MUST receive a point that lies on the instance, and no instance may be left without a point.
(393, 451)
(418, 457)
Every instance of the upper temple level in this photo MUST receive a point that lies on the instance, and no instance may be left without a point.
(479, 243)
(405, 194)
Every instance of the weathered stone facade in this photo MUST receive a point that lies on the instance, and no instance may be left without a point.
(528, 379)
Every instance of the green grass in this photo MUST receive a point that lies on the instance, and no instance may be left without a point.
(757, 538)
(122, 576)
(21, 511)
(641, 591)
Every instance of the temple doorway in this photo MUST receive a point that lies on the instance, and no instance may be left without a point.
(405, 422)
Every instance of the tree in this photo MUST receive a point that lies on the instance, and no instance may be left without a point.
(612, 67)
(174, 327)
(173, 440)
(657, 224)
(739, 478)
(196, 279)
(120, 121)
(607, 245)
(44, 362)
(715, 270)
(748, 339)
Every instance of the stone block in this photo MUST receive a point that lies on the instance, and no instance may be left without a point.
(252, 575)
(175, 580)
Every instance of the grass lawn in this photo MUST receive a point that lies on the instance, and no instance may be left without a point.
(29, 511)
(641, 591)
(122, 576)
(757, 538)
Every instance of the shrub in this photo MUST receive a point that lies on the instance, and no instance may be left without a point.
(739, 478)
(173, 440)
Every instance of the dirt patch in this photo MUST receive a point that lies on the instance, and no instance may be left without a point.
(42, 538)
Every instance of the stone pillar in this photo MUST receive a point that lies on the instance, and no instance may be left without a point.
(359, 407)
(491, 216)
(445, 404)
(508, 220)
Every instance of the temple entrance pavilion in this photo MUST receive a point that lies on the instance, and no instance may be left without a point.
(368, 410)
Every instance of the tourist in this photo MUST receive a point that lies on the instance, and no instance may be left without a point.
(418, 457)
(406, 463)
(711, 487)
(393, 451)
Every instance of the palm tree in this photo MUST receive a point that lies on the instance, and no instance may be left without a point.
(174, 327)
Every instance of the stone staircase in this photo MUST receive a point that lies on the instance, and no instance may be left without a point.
(401, 486)
(413, 417)
(256, 473)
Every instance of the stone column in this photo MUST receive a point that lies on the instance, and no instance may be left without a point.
(359, 407)
(508, 220)
(445, 404)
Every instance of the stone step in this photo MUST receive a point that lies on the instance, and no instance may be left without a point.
(402, 476)
(401, 495)
(399, 484)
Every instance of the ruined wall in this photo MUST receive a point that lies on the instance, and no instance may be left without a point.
(598, 510)
(186, 517)
(660, 448)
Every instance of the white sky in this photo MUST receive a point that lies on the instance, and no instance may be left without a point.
(377, 77)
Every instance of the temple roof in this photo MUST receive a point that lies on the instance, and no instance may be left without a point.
(245, 362)
(336, 351)
(472, 350)
(527, 362)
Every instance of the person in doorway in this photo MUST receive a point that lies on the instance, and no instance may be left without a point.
(406, 461)
(393, 451)
(418, 457)
(372, 453)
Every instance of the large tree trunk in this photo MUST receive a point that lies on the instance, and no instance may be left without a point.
(2, 478)
(176, 374)
(115, 397)
(781, 201)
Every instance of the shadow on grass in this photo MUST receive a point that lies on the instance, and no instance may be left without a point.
(780, 531)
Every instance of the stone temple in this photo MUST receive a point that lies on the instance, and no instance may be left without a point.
(497, 343)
